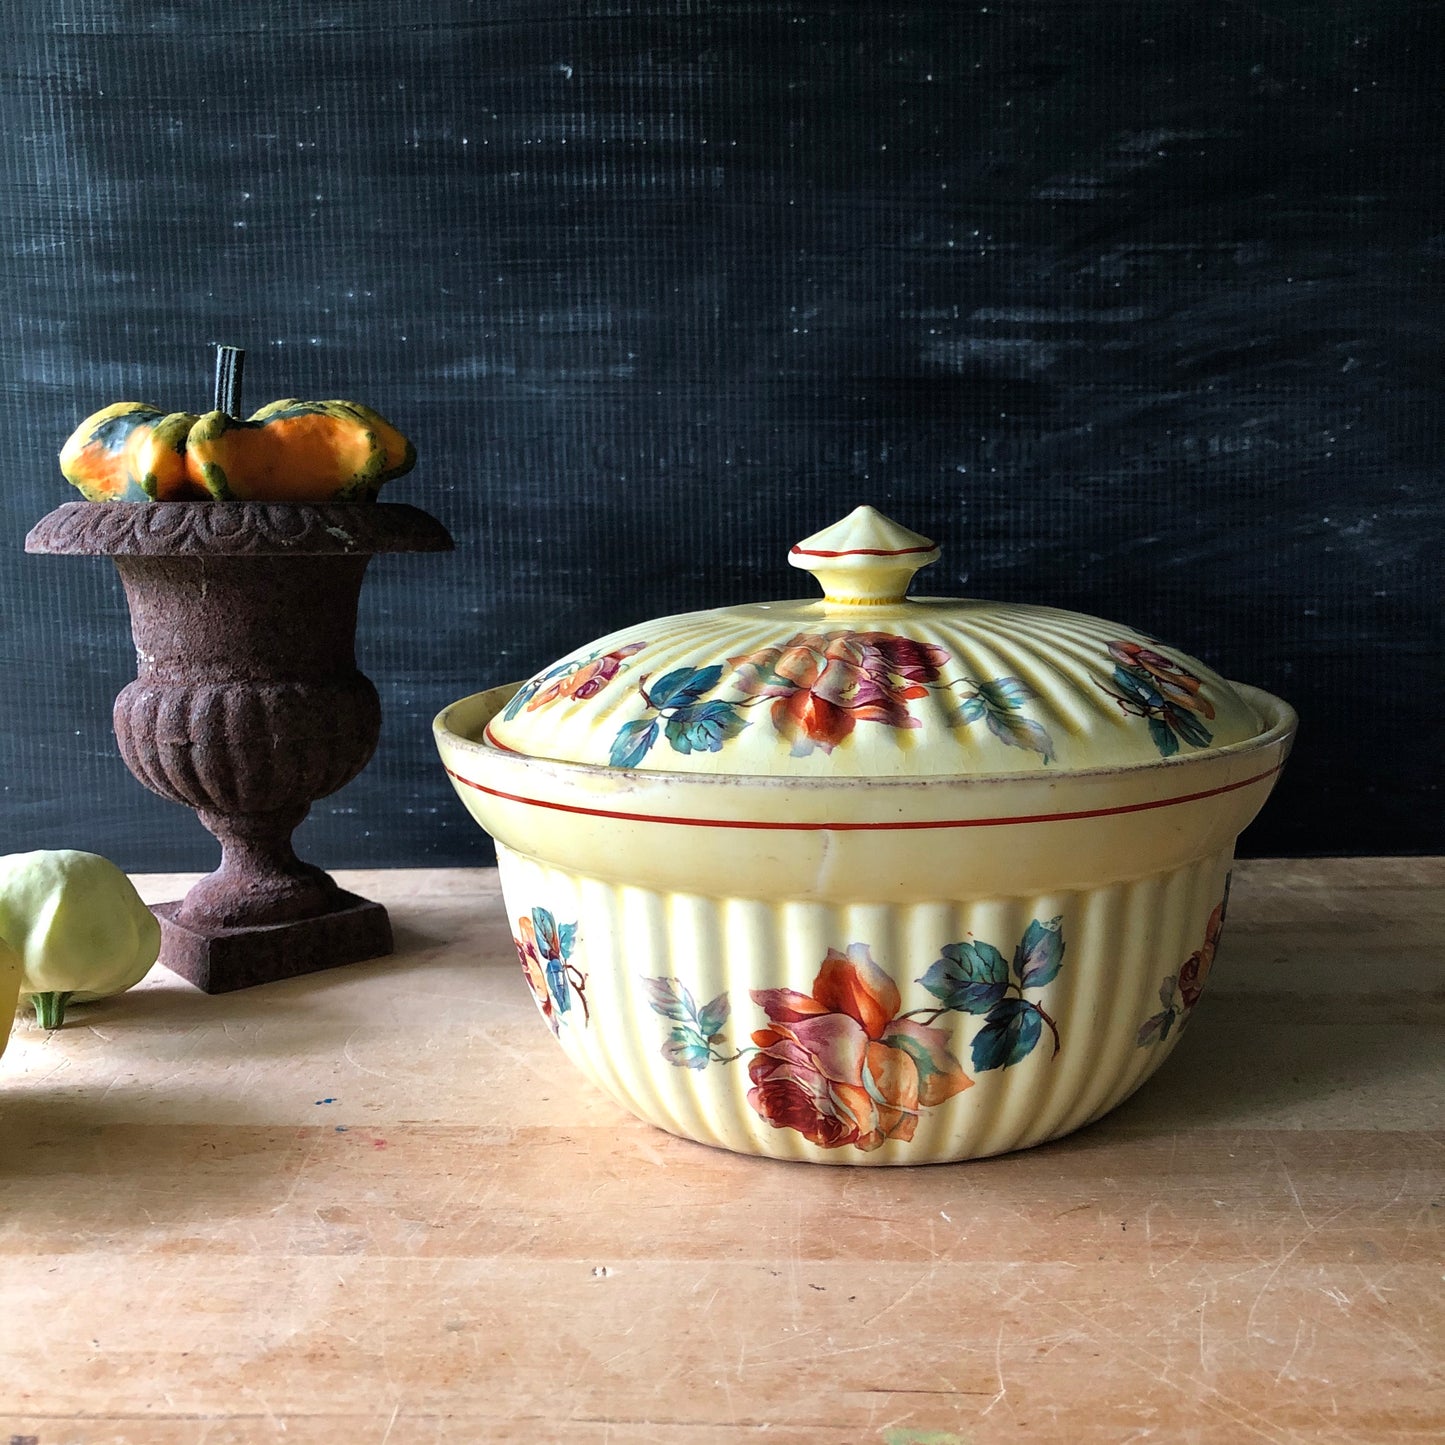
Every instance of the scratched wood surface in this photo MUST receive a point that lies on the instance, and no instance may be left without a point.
(377, 1206)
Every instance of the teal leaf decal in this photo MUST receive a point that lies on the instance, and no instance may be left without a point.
(1021, 732)
(1136, 689)
(521, 698)
(1009, 1034)
(686, 1049)
(712, 1017)
(557, 984)
(554, 944)
(973, 977)
(969, 977)
(704, 727)
(1156, 1026)
(683, 685)
(545, 927)
(1190, 728)
(545, 949)
(1165, 706)
(1005, 693)
(689, 1044)
(632, 742)
(997, 703)
(1040, 953)
(1164, 738)
(671, 999)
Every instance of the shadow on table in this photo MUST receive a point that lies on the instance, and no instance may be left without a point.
(48, 1132)
(1246, 1063)
(165, 999)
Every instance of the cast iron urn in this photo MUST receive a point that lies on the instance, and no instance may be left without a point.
(248, 706)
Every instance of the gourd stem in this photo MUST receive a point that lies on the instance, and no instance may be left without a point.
(50, 1008)
(230, 361)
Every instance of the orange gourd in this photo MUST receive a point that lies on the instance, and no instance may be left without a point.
(288, 451)
(130, 452)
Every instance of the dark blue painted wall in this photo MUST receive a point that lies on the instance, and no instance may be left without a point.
(1136, 307)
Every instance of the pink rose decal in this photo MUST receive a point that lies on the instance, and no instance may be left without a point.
(1195, 971)
(1147, 684)
(843, 1066)
(1182, 990)
(544, 949)
(823, 684)
(839, 1066)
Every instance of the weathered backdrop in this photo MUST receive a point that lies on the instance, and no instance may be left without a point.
(1136, 307)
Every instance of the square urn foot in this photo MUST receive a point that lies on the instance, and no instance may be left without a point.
(232, 958)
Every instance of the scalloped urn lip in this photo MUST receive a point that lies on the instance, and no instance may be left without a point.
(241, 529)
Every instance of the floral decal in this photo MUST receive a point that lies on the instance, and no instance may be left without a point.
(581, 678)
(841, 1065)
(1163, 692)
(817, 688)
(974, 977)
(697, 1038)
(1181, 991)
(544, 949)
(678, 710)
(998, 704)
(821, 685)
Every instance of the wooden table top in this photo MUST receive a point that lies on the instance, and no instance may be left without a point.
(376, 1206)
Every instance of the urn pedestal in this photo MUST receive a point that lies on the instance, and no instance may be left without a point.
(248, 706)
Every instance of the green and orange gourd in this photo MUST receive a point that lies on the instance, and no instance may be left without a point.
(289, 451)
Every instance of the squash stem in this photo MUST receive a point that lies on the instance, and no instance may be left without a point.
(50, 1008)
(229, 362)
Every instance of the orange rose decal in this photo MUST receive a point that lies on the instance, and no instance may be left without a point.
(544, 949)
(842, 1066)
(1195, 970)
(1181, 991)
(588, 680)
(1149, 685)
(1174, 681)
(813, 690)
(581, 678)
(823, 684)
(839, 1066)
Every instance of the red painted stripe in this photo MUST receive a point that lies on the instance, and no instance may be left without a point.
(864, 551)
(492, 741)
(900, 827)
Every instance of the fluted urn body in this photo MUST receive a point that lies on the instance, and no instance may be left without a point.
(248, 706)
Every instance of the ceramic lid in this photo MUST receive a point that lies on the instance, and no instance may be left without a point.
(868, 682)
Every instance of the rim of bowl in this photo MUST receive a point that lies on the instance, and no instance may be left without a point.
(1278, 719)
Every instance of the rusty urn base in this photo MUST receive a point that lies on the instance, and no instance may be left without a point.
(224, 959)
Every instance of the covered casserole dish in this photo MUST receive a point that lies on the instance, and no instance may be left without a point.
(867, 879)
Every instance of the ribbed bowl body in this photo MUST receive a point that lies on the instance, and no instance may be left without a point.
(865, 971)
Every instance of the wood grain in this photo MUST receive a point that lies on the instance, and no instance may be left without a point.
(378, 1205)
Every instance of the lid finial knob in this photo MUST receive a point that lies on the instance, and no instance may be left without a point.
(865, 560)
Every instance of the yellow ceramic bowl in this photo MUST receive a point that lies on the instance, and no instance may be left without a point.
(865, 970)
(866, 878)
